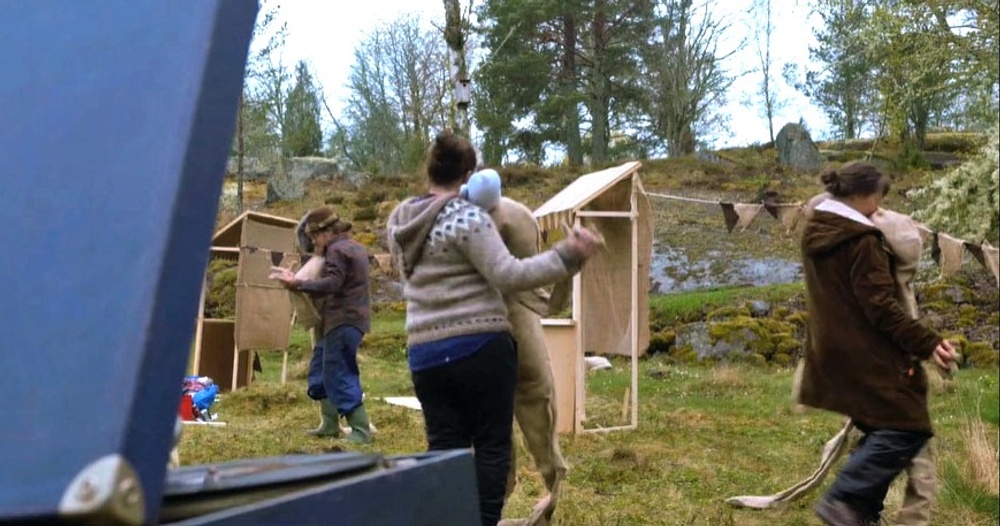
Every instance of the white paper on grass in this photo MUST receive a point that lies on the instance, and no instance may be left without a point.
(410, 402)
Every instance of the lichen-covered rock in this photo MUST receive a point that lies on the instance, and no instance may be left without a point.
(796, 148)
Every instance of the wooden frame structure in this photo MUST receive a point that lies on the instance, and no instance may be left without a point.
(223, 348)
(607, 200)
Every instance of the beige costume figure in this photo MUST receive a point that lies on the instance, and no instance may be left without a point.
(534, 402)
(902, 234)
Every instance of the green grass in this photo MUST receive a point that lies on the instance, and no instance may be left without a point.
(673, 308)
(705, 434)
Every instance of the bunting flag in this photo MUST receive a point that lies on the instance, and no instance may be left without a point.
(977, 253)
(771, 207)
(789, 216)
(946, 251)
(990, 255)
(729, 214)
(746, 213)
(951, 252)
(925, 233)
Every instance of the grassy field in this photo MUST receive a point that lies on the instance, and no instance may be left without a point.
(705, 433)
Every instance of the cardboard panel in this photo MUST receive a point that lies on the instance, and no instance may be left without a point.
(217, 346)
(259, 234)
(255, 266)
(115, 133)
(263, 317)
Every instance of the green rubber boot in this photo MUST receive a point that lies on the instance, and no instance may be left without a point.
(361, 432)
(329, 424)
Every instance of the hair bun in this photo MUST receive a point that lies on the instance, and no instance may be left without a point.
(831, 181)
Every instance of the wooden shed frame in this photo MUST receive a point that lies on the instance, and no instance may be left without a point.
(217, 350)
(565, 337)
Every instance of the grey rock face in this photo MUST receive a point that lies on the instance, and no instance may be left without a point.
(796, 148)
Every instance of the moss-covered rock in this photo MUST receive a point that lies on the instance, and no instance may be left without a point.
(968, 316)
(728, 312)
(682, 354)
(385, 208)
(763, 336)
(950, 292)
(366, 213)
(367, 239)
(661, 342)
(981, 355)
(798, 319)
(781, 359)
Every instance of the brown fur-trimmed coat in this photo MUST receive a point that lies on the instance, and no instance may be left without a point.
(862, 345)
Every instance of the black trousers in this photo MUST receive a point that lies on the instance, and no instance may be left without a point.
(882, 454)
(470, 403)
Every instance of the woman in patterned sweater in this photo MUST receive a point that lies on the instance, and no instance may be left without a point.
(462, 359)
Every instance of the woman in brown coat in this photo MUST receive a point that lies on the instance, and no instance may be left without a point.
(862, 347)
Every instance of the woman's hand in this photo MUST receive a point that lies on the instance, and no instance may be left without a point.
(944, 355)
(584, 241)
(285, 276)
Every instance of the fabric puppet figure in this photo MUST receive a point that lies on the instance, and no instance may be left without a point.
(483, 189)
(534, 399)
(902, 234)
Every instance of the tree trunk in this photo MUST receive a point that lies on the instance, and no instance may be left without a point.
(455, 38)
(574, 148)
(599, 84)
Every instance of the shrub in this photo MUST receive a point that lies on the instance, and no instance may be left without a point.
(964, 202)
(366, 213)
(220, 299)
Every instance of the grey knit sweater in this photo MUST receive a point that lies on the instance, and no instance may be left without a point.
(455, 266)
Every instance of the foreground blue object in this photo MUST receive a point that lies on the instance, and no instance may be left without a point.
(116, 117)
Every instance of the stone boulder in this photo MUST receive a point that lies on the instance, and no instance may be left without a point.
(284, 188)
(291, 185)
(313, 168)
(253, 169)
(796, 148)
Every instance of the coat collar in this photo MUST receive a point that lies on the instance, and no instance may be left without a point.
(836, 207)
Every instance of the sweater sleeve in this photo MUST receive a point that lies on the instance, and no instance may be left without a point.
(333, 276)
(874, 288)
(484, 248)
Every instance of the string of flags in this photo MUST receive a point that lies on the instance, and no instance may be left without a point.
(277, 256)
(947, 251)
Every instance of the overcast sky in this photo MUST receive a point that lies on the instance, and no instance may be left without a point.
(325, 34)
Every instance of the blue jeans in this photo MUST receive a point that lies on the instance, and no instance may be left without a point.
(333, 369)
(882, 454)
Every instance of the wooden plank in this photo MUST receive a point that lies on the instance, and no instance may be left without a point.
(605, 213)
(634, 323)
(560, 343)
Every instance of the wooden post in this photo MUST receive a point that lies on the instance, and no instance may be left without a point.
(199, 328)
(581, 379)
(634, 317)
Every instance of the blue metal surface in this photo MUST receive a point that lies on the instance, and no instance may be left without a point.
(434, 489)
(115, 122)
